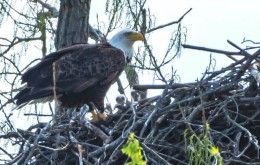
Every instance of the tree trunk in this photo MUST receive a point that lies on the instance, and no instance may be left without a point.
(72, 29)
(73, 23)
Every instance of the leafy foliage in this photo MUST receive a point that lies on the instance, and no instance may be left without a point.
(201, 149)
(133, 150)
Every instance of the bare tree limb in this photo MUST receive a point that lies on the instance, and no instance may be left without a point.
(170, 23)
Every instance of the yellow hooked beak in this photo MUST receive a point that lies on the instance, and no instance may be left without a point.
(136, 36)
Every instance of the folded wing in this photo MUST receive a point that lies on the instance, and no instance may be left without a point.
(77, 70)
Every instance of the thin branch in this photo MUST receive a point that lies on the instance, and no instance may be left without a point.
(227, 53)
(53, 10)
(173, 86)
(170, 23)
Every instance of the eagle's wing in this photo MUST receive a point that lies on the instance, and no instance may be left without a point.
(41, 71)
(74, 70)
(79, 71)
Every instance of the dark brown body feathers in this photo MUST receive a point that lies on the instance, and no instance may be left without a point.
(83, 74)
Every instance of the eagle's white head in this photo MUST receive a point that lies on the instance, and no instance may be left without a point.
(124, 40)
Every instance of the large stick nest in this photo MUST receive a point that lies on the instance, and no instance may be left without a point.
(228, 100)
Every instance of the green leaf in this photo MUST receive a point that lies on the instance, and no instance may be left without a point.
(133, 150)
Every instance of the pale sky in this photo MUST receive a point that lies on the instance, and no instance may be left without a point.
(210, 23)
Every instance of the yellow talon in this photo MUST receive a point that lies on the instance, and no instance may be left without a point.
(96, 116)
(102, 116)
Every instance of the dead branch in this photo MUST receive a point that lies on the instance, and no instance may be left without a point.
(170, 23)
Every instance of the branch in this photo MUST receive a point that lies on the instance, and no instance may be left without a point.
(97, 132)
(227, 53)
(173, 86)
(17, 40)
(170, 23)
(53, 10)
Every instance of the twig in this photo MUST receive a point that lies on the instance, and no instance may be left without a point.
(173, 86)
(227, 53)
(251, 138)
(147, 149)
(97, 131)
(170, 23)
(53, 10)
(36, 114)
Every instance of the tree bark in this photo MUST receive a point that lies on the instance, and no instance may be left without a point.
(73, 23)
(72, 29)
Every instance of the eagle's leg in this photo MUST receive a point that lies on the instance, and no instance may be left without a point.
(102, 115)
(94, 115)
(97, 114)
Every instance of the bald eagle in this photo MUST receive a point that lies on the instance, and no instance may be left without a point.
(79, 74)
